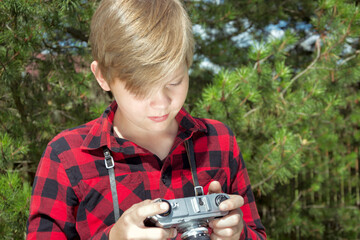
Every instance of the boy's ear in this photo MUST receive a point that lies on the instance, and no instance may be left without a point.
(99, 77)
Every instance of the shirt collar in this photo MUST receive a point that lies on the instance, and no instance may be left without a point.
(102, 132)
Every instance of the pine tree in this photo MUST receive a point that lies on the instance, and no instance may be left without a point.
(224, 30)
(14, 207)
(45, 82)
(44, 90)
(298, 127)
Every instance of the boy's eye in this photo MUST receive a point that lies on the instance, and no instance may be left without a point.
(175, 83)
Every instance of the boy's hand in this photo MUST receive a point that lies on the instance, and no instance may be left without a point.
(131, 223)
(231, 225)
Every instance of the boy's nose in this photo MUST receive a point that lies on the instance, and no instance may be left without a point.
(160, 100)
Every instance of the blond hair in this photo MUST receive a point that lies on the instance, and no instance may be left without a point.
(140, 41)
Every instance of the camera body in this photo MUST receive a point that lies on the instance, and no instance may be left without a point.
(190, 215)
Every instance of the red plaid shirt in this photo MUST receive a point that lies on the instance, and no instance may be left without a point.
(71, 196)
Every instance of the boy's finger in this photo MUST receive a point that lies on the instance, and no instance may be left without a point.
(156, 233)
(149, 209)
(231, 220)
(153, 233)
(225, 232)
(235, 201)
(214, 187)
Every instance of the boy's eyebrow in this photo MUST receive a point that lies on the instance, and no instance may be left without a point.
(181, 76)
(176, 78)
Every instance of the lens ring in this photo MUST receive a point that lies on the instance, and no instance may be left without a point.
(200, 236)
(196, 233)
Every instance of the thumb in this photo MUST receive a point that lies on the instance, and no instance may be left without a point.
(214, 187)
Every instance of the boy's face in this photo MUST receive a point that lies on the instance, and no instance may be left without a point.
(156, 112)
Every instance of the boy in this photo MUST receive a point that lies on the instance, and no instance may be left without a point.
(142, 51)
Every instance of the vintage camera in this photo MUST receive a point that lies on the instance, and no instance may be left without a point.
(191, 215)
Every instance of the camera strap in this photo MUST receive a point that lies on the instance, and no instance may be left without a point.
(109, 164)
(189, 146)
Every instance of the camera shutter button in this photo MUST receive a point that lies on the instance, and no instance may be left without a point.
(167, 213)
(220, 198)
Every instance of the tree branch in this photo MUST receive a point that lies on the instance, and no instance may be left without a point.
(77, 34)
(318, 47)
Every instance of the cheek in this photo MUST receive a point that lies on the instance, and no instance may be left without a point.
(179, 98)
(184, 92)
(131, 107)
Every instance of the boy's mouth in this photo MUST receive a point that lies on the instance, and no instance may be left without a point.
(159, 118)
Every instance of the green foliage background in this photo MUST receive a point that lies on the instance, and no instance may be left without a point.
(295, 111)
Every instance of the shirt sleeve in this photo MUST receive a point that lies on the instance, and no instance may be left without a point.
(240, 184)
(54, 202)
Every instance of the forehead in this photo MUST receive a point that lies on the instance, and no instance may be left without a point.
(179, 72)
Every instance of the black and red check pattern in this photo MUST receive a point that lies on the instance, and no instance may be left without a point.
(71, 196)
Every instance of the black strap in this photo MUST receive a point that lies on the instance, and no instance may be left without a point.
(109, 163)
(191, 158)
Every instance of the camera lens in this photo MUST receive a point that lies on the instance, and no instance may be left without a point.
(220, 198)
(196, 233)
(199, 236)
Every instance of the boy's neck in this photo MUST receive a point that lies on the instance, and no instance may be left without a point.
(122, 131)
(157, 142)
